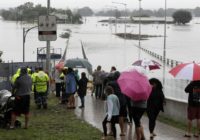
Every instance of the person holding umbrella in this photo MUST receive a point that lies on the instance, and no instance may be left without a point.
(136, 86)
(193, 111)
(138, 109)
(155, 104)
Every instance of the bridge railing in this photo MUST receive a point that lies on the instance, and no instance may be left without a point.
(169, 62)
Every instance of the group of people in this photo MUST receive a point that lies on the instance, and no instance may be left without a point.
(23, 82)
(119, 106)
(69, 83)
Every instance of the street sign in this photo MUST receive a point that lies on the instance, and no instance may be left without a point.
(47, 28)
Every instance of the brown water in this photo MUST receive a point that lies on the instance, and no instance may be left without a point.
(105, 49)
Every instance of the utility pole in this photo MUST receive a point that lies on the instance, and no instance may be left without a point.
(139, 43)
(124, 18)
(48, 44)
(164, 46)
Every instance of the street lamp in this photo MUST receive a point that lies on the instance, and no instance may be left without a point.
(114, 7)
(164, 46)
(139, 45)
(25, 32)
(124, 18)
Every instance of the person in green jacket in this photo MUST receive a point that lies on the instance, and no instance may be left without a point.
(41, 81)
(33, 76)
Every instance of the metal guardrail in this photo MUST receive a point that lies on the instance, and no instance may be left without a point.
(169, 62)
(174, 87)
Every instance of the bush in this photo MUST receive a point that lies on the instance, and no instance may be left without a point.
(182, 17)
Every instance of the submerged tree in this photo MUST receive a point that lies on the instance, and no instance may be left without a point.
(182, 16)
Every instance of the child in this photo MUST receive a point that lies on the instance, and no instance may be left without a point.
(112, 114)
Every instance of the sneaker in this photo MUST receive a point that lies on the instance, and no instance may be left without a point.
(187, 135)
(11, 127)
(81, 106)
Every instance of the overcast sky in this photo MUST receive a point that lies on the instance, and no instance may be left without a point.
(99, 4)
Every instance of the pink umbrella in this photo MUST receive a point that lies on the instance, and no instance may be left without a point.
(188, 71)
(134, 85)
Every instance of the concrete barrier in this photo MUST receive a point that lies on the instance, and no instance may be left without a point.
(175, 110)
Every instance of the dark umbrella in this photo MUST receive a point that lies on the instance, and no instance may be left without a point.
(79, 63)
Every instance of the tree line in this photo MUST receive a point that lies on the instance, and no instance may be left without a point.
(30, 12)
(135, 13)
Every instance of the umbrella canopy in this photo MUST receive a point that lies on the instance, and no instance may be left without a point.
(79, 63)
(60, 65)
(134, 85)
(146, 63)
(140, 69)
(187, 71)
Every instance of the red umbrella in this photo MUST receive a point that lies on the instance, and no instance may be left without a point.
(134, 85)
(60, 65)
(188, 71)
(147, 63)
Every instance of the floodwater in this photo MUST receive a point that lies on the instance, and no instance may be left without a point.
(105, 49)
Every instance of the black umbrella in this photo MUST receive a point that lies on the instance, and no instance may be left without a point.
(79, 63)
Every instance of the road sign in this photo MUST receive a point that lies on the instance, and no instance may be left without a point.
(47, 28)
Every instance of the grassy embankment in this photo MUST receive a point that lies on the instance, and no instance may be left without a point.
(55, 123)
(177, 124)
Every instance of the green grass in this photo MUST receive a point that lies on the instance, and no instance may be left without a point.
(177, 124)
(169, 121)
(55, 123)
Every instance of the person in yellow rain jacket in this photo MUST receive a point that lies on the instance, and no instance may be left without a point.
(41, 81)
(33, 86)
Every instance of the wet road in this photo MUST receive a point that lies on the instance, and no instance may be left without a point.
(94, 114)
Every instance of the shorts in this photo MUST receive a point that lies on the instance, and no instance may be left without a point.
(137, 115)
(21, 105)
(123, 111)
(193, 113)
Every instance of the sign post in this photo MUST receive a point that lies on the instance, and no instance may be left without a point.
(47, 28)
(47, 31)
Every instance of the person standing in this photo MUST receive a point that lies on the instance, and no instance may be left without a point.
(82, 88)
(122, 100)
(112, 114)
(21, 89)
(70, 88)
(138, 109)
(193, 110)
(58, 81)
(155, 104)
(33, 86)
(63, 78)
(41, 81)
(98, 82)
